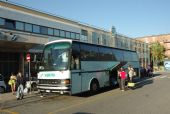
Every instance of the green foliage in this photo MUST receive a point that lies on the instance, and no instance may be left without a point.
(157, 51)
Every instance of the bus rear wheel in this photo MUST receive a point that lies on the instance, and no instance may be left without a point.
(94, 86)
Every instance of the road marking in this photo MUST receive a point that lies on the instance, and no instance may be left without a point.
(9, 112)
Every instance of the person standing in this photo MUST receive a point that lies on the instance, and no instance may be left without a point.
(12, 83)
(130, 73)
(20, 85)
(118, 78)
(123, 78)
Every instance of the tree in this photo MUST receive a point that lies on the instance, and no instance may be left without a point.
(157, 53)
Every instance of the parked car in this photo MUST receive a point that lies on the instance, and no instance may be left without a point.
(2, 84)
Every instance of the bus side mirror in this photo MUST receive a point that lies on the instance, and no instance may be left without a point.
(41, 68)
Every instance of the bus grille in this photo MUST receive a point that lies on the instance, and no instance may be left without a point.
(49, 81)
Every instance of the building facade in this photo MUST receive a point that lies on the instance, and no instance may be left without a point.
(163, 39)
(25, 30)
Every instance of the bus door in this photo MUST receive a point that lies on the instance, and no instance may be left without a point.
(76, 82)
(76, 78)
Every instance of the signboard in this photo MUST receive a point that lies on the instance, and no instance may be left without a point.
(167, 65)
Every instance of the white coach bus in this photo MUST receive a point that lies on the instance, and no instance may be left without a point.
(73, 67)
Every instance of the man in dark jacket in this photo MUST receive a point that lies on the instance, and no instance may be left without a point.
(20, 85)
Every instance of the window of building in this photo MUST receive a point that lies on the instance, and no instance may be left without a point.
(104, 41)
(50, 31)
(28, 27)
(36, 29)
(10, 24)
(68, 34)
(62, 33)
(94, 38)
(43, 30)
(77, 36)
(2, 22)
(73, 35)
(56, 32)
(19, 25)
(84, 35)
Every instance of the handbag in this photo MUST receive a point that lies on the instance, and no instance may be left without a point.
(10, 82)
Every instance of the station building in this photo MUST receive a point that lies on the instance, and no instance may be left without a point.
(25, 30)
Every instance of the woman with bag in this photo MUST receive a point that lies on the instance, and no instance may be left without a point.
(131, 73)
(12, 83)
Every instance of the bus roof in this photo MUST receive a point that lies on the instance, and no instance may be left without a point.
(56, 41)
(70, 41)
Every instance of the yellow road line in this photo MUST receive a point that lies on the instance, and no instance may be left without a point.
(9, 112)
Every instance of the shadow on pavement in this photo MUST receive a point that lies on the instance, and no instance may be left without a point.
(143, 83)
(26, 100)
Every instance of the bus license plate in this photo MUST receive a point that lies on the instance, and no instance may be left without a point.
(48, 91)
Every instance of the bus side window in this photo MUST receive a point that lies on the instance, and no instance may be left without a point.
(75, 63)
(72, 63)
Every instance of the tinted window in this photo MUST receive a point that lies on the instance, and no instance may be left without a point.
(50, 31)
(28, 27)
(106, 54)
(118, 54)
(134, 56)
(89, 52)
(10, 24)
(36, 29)
(127, 56)
(73, 35)
(44, 30)
(77, 36)
(19, 25)
(62, 33)
(68, 34)
(56, 32)
(2, 22)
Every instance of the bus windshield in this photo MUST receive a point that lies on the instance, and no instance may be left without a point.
(56, 56)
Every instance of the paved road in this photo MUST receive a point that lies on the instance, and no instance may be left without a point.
(152, 96)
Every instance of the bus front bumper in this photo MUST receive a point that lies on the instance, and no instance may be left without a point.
(54, 89)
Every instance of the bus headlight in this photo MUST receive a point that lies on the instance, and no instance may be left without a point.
(66, 81)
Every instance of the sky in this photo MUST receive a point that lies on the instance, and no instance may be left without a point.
(132, 18)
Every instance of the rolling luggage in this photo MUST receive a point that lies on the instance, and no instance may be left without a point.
(131, 85)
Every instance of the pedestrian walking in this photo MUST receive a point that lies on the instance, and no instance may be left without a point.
(12, 83)
(20, 84)
(123, 78)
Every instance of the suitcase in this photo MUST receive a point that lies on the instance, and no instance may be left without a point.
(131, 84)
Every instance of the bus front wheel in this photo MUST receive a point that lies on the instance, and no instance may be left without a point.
(94, 86)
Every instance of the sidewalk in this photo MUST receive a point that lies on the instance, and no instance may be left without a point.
(9, 96)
